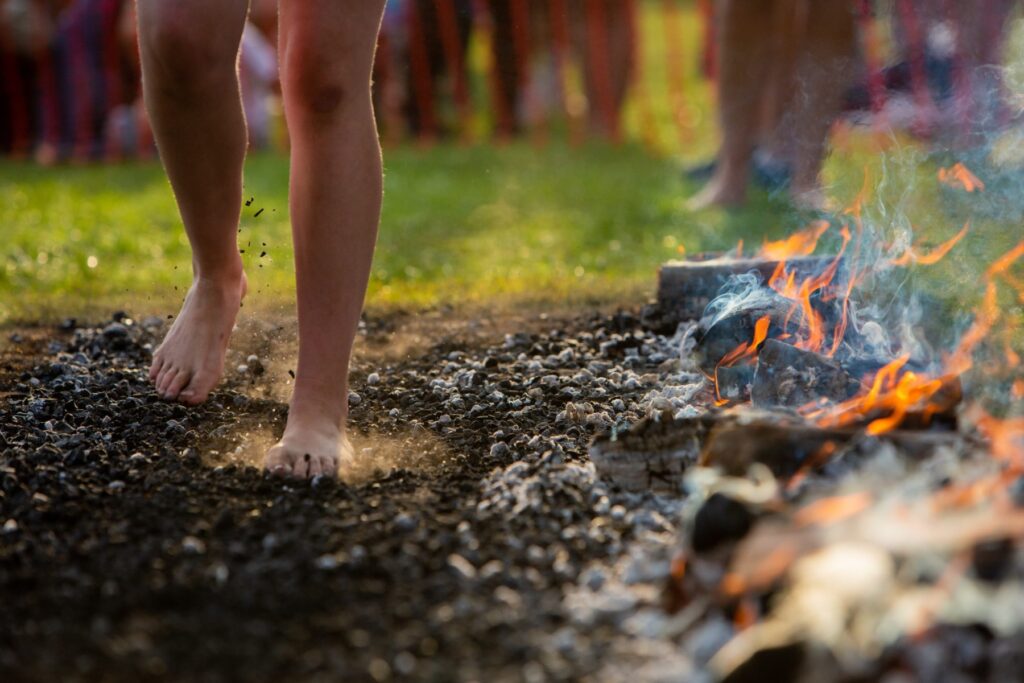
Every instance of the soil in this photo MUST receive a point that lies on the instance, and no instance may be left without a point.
(473, 540)
(139, 539)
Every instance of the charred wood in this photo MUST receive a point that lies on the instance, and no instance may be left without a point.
(685, 288)
(791, 377)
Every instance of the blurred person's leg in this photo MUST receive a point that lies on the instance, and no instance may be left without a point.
(982, 33)
(506, 65)
(421, 72)
(607, 50)
(620, 50)
(744, 56)
(327, 50)
(773, 157)
(189, 52)
(827, 36)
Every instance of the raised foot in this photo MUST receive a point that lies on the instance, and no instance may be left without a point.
(306, 452)
(190, 361)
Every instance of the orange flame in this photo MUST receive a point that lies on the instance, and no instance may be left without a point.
(832, 510)
(959, 175)
(748, 349)
(897, 394)
(1006, 438)
(934, 256)
(743, 351)
(801, 243)
(813, 324)
(839, 333)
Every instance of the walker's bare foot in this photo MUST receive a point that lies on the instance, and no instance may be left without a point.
(308, 449)
(718, 192)
(190, 361)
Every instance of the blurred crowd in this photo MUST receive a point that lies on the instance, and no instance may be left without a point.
(789, 69)
(785, 71)
(70, 79)
(69, 71)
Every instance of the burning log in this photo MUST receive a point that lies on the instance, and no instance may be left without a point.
(784, 444)
(791, 377)
(654, 455)
(685, 288)
(736, 329)
(786, 448)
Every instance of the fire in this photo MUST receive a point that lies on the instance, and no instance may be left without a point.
(912, 256)
(1006, 438)
(771, 566)
(959, 175)
(1003, 263)
(896, 391)
(801, 243)
(743, 351)
(833, 509)
(812, 332)
(748, 349)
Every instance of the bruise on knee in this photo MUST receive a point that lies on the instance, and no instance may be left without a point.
(319, 82)
(325, 99)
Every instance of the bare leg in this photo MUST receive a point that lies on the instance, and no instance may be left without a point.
(774, 137)
(743, 71)
(327, 57)
(982, 32)
(827, 34)
(189, 66)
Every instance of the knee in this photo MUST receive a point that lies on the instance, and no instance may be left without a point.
(183, 52)
(319, 84)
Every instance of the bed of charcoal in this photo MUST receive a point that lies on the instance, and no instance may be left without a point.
(140, 541)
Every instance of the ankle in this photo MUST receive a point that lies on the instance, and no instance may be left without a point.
(226, 276)
(323, 413)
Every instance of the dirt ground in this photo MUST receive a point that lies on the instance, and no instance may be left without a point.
(139, 540)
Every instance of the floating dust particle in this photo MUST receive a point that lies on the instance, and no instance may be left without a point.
(376, 455)
(291, 373)
(262, 254)
(249, 203)
(257, 214)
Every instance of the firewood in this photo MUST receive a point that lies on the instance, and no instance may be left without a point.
(791, 377)
(685, 288)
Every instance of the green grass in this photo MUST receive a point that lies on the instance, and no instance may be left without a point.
(460, 225)
(479, 224)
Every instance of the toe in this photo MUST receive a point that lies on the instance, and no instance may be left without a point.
(278, 462)
(314, 465)
(175, 386)
(164, 378)
(328, 466)
(190, 398)
(155, 367)
(198, 388)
